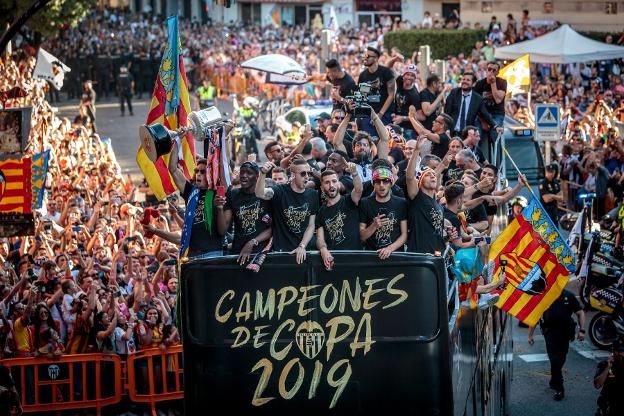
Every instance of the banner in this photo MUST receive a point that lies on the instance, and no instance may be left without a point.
(170, 106)
(39, 172)
(536, 263)
(49, 68)
(16, 198)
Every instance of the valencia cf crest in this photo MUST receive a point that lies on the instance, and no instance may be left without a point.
(524, 274)
(310, 338)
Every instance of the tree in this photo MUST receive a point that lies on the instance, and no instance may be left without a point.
(50, 19)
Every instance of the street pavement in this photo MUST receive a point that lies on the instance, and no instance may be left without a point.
(124, 131)
(530, 395)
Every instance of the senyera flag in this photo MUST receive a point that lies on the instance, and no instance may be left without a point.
(537, 263)
(15, 186)
(170, 106)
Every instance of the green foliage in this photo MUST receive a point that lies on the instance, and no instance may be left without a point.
(50, 19)
(443, 42)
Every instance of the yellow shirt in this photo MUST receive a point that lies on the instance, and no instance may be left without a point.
(22, 336)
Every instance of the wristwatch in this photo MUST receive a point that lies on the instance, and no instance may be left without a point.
(581, 331)
(254, 241)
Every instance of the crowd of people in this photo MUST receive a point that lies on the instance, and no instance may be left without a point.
(88, 280)
(411, 171)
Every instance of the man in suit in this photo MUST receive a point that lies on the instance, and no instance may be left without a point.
(464, 106)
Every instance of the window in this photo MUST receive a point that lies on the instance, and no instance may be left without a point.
(548, 7)
(611, 7)
(486, 7)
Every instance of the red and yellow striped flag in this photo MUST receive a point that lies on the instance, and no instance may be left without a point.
(538, 264)
(15, 186)
(170, 106)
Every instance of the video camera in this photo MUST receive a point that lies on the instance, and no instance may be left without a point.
(362, 99)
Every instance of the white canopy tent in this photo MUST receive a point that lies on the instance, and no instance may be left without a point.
(562, 46)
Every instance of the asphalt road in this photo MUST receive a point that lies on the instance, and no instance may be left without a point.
(124, 131)
(530, 395)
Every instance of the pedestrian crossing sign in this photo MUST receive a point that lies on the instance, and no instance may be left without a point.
(547, 122)
(548, 116)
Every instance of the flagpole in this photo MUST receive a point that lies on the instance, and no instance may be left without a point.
(525, 183)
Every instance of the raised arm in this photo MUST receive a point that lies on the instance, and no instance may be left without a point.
(307, 135)
(174, 168)
(261, 191)
(383, 146)
(420, 129)
(358, 187)
(410, 171)
(340, 133)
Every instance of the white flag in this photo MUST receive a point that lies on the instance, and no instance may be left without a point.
(333, 21)
(577, 231)
(50, 69)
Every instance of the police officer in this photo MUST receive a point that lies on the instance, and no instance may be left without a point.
(559, 329)
(550, 192)
(206, 94)
(125, 89)
(610, 378)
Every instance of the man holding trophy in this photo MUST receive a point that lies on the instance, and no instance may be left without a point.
(200, 235)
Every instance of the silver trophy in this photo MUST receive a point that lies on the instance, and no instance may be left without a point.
(156, 139)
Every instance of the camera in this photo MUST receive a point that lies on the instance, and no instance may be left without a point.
(362, 99)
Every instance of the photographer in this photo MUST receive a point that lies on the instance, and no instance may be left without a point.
(382, 83)
(364, 150)
(610, 378)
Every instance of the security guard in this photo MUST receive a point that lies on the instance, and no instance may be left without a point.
(550, 192)
(206, 94)
(559, 329)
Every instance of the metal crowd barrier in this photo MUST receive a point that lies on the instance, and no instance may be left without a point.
(67, 382)
(163, 371)
(84, 381)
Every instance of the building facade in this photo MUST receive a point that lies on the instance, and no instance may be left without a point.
(581, 14)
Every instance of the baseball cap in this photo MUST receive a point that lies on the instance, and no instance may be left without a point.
(250, 165)
(551, 167)
(323, 116)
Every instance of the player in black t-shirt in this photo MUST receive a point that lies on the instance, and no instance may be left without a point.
(476, 216)
(343, 84)
(252, 221)
(425, 215)
(382, 83)
(454, 196)
(294, 208)
(437, 135)
(407, 96)
(337, 220)
(383, 216)
(431, 98)
(204, 238)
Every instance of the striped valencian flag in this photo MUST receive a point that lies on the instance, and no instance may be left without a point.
(15, 186)
(537, 263)
(170, 106)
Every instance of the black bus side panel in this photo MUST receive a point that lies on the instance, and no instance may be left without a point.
(370, 336)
